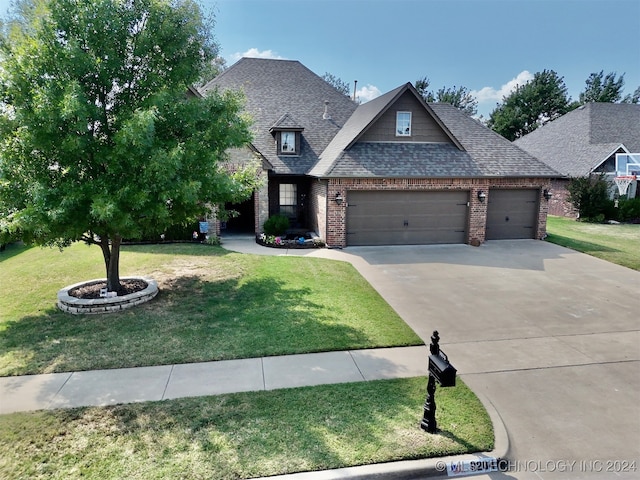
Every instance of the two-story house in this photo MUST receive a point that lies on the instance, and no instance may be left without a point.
(391, 171)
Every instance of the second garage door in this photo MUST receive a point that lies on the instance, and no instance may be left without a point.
(406, 217)
(512, 214)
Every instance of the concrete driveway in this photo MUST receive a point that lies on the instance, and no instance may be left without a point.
(549, 336)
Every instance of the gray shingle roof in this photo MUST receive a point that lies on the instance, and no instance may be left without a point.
(287, 122)
(355, 125)
(274, 88)
(494, 154)
(285, 94)
(582, 139)
(401, 160)
(476, 151)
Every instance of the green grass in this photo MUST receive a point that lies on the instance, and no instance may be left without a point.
(618, 244)
(213, 305)
(243, 435)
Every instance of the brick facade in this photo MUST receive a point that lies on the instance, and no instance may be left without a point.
(559, 204)
(261, 203)
(332, 225)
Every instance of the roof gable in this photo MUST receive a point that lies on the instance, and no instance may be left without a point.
(286, 122)
(471, 149)
(383, 108)
(425, 126)
(365, 119)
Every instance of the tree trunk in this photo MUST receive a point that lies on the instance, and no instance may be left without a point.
(111, 254)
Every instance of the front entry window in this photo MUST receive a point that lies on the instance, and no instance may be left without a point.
(288, 199)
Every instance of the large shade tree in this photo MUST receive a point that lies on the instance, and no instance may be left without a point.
(531, 105)
(99, 140)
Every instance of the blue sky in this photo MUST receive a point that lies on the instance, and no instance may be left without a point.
(486, 46)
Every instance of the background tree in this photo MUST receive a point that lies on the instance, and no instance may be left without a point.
(337, 83)
(632, 97)
(531, 105)
(422, 86)
(601, 88)
(213, 68)
(98, 139)
(459, 97)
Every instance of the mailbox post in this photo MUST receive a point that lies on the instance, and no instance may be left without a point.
(444, 373)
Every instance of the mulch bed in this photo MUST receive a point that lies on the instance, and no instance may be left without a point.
(92, 291)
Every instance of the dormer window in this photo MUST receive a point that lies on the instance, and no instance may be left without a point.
(288, 142)
(288, 135)
(403, 124)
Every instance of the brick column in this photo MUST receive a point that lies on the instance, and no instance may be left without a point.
(336, 216)
(477, 214)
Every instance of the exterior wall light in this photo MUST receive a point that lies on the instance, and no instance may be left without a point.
(547, 194)
(339, 198)
(481, 195)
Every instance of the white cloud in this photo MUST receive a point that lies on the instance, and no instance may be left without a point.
(368, 92)
(490, 94)
(255, 53)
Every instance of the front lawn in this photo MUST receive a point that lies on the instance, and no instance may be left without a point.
(243, 435)
(213, 305)
(617, 243)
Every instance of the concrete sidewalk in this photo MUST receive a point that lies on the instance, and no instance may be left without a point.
(128, 385)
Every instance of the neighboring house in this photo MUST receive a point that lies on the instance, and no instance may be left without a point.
(582, 142)
(394, 170)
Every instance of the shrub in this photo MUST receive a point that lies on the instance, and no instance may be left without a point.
(611, 212)
(590, 196)
(276, 225)
(213, 240)
(629, 210)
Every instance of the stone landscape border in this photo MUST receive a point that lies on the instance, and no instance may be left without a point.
(78, 306)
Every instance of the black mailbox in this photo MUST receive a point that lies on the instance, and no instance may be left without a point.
(442, 370)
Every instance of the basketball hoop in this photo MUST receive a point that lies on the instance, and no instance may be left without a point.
(623, 183)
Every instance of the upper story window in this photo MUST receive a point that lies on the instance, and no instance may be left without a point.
(403, 124)
(288, 142)
(287, 133)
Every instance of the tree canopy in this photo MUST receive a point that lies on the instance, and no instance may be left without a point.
(632, 97)
(99, 140)
(531, 105)
(459, 97)
(601, 88)
(545, 98)
(606, 88)
(337, 83)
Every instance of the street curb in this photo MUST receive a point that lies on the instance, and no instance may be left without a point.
(413, 469)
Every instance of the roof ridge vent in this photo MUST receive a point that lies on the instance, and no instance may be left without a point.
(325, 115)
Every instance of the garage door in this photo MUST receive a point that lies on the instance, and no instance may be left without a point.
(512, 214)
(406, 218)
